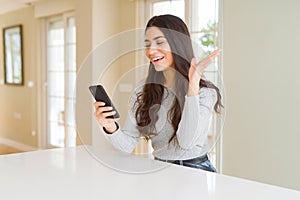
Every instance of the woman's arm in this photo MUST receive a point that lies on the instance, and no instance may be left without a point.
(197, 111)
(125, 139)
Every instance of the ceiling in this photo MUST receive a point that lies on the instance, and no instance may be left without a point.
(11, 5)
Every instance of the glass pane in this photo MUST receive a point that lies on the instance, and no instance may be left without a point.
(56, 33)
(57, 134)
(70, 112)
(71, 81)
(71, 57)
(56, 110)
(61, 82)
(206, 43)
(71, 30)
(56, 58)
(204, 12)
(56, 84)
(174, 7)
(203, 47)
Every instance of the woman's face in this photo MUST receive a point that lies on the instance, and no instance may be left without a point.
(158, 49)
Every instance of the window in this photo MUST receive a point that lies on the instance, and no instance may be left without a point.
(201, 17)
(205, 32)
(60, 81)
(168, 7)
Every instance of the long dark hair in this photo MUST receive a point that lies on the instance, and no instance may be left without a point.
(150, 98)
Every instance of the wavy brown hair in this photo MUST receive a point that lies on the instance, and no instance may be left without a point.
(150, 98)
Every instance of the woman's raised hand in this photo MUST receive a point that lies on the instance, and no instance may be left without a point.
(197, 69)
(101, 114)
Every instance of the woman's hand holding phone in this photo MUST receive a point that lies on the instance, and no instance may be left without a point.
(196, 70)
(102, 113)
(105, 111)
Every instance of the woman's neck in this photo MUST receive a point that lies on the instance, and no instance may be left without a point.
(169, 75)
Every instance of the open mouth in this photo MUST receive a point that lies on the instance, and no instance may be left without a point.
(156, 59)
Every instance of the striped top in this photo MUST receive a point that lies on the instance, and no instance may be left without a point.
(191, 133)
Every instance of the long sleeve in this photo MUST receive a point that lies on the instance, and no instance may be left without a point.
(197, 111)
(127, 138)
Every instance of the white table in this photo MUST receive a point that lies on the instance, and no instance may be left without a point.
(83, 173)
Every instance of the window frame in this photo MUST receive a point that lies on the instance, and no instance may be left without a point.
(44, 141)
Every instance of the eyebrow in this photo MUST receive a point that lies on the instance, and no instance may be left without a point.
(158, 37)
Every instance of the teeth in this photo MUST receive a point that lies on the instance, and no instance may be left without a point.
(157, 58)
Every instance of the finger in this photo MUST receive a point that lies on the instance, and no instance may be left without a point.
(193, 65)
(207, 61)
(193, 62)
(104, 109)
(215, 53)
(98, 104)
(108, 122)
(99, 113)
(213, 56)
(101, 118)
(107, 114)
(204, 63)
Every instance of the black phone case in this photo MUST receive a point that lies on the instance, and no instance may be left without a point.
(100, 94)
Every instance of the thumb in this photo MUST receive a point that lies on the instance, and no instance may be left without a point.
(193, 62)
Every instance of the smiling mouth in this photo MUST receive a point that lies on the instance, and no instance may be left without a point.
(157, 59)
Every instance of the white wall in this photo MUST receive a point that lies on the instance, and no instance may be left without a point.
(97, 20)
(114, 26)
(100, 22)
(84, 37)
(261, 73)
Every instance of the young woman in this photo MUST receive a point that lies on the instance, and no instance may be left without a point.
(174, 105)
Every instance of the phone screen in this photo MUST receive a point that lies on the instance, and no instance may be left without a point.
(100, 94)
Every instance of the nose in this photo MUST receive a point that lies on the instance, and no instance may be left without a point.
(151, 50)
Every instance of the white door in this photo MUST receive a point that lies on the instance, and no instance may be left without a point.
(60, 81)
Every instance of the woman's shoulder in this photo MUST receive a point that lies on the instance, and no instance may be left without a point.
(139, 87)
(207, 92)
(137, 90)
(135, 93)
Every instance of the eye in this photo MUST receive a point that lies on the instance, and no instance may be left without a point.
(160, 42)
(147, 45)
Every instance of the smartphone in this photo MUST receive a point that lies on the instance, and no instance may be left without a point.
(100, 94)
